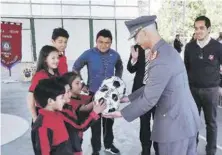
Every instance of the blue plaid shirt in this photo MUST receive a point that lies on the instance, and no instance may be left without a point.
(100, 66)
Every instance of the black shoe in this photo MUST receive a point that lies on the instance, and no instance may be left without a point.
(112, 149)
(95, 153)
(145, 152)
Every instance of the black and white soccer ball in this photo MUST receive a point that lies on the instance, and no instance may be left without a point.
(110, 97)
(111, 91)
(115, 83)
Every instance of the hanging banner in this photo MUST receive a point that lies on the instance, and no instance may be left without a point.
(11, 43)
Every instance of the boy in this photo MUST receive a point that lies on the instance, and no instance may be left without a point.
(59, 40)
(49, 133)
(102, 62)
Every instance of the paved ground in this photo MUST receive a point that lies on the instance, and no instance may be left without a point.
(13, 101)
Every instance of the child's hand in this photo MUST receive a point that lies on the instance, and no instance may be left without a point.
(87, 107)
(99, 107)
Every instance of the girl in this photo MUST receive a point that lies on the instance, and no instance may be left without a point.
(46, 68)
(79, 103)
(77, 99)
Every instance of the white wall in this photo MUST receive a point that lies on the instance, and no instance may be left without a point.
(43, 32)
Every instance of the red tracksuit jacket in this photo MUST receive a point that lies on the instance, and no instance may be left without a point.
(62, 66)
(55, 133)
(75, 132)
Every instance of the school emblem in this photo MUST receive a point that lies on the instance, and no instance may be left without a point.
(6, 46)
(211, 57)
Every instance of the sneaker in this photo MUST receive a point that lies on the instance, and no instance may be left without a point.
(95, 153)
(112, 149)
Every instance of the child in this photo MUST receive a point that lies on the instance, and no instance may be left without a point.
(59, 39)
(46, 68)
(78, 103)
(49, 132)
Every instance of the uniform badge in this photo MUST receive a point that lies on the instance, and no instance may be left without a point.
(153, 55)
(211, 57)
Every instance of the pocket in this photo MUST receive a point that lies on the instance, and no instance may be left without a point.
(174, 112)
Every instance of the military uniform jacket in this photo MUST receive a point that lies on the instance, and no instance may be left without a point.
(176, 115)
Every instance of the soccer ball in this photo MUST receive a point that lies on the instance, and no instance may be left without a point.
(111, 91)
(110, 97)
(116, 83)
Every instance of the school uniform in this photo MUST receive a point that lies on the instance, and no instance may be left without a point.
(62, 66)
(75, 131)
(40, 75)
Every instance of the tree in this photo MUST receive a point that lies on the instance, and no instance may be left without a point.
(215, 14)
(177, 17)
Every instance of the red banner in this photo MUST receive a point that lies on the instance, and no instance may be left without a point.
(11, 43)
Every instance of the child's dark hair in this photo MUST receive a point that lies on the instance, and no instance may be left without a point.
(69, 77)
(104, 33)
(205, 19)
(59, 32)
(47, 88)
(44, 53)
(61, 81)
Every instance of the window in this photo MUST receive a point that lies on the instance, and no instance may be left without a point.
(102, 2)
(46, 10)
(15, 9)
(98, 11)
(126, 12)
(78, 11)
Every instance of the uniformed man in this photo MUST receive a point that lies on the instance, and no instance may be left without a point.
(176, 121)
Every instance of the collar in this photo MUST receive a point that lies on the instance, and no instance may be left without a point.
(202, 44)
(52, 75)
(158, 45)
(47, 112)
(97, 50)
(62, 54)
(76, 98)
(49, 74)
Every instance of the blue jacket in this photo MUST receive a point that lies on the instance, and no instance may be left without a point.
(100, 66)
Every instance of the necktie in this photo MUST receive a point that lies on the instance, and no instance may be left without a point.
(146, 71)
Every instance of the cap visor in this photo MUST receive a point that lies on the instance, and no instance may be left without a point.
(131, 36)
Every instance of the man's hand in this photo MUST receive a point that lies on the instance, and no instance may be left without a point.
(124, 99)
(134, 54)
(115, 114)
